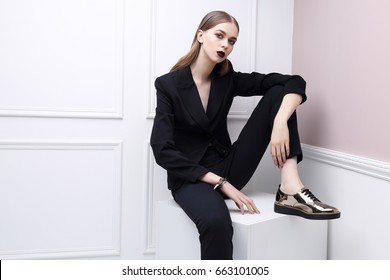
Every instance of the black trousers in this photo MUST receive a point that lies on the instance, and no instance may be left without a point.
(206, 207)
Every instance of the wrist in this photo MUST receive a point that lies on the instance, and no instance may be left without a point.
(279, 120)
(211, 178)
(220, 183)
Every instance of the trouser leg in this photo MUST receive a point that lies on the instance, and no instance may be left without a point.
(254, 138)
(208, 210)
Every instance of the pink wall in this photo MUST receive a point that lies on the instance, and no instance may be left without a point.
(342, 49)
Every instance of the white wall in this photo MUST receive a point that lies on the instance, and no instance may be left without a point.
(72, 122)
(357, 186)
(77, 177)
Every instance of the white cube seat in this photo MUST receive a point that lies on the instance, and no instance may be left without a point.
(267, 235)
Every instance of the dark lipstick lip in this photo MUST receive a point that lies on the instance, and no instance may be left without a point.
(221, 54)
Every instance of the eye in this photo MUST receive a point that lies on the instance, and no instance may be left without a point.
(232, 42)
(219, 35)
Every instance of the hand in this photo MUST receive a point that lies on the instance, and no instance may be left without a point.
(239, 198)
(280, 143)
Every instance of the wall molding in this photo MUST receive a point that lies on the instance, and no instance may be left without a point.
(61, 253)
(114, 112)
(370, 167)
(152, 60)
(155, 189)
(66, 144)
(87, 113)
(113, 249)
(150, 246)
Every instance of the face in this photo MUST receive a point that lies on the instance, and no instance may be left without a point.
(218, 42)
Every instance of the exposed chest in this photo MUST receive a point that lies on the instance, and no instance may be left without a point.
(204, 93)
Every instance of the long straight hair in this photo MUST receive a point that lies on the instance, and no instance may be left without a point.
(209, 21)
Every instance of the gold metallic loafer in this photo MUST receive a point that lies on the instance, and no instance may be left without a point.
(304, 204)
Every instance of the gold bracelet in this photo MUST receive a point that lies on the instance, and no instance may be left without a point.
(220, 183)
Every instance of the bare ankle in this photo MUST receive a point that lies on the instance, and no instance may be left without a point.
(291, 189)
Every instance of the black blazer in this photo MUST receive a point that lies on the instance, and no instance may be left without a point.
(182, 130)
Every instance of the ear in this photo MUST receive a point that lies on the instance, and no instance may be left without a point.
(199, 36)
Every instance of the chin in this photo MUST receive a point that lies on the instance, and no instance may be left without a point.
(219, 60)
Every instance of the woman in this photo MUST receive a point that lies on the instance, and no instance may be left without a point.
(191, 141)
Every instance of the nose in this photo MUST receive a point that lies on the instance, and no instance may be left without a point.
(225, 43)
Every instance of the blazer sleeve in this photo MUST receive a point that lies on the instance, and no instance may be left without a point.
(250, 84)
(162, 140)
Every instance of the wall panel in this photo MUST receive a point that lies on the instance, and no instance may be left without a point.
(61, 58)
(156, 189)
(60, 199)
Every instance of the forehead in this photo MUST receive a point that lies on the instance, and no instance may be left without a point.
(227, 27)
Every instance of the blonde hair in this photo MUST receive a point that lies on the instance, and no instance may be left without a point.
(209, 21)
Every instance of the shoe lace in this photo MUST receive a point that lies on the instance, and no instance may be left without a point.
(310, 195)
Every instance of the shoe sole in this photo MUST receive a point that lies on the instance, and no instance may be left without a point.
(283, 209)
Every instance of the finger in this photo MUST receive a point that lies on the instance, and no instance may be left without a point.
(274, 158)
(245, 203)
(279, 158)
(283, 154)
(241, 207)
(249, 207)
(255, 207)
(287, 150)
(252, 206)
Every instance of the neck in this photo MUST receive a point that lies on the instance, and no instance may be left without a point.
(201, 69)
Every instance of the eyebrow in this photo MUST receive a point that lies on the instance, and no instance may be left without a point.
(224, 33)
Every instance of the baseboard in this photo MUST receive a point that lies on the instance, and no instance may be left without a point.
(370, 167)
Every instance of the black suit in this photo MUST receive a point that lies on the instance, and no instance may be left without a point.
(188, 143)
(182, 131)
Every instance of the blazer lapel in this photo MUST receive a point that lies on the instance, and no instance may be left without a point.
(217, 95)
(190, 96)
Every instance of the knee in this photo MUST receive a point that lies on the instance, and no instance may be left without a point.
(216, 225)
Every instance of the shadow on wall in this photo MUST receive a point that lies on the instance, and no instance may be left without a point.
(312, 120)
